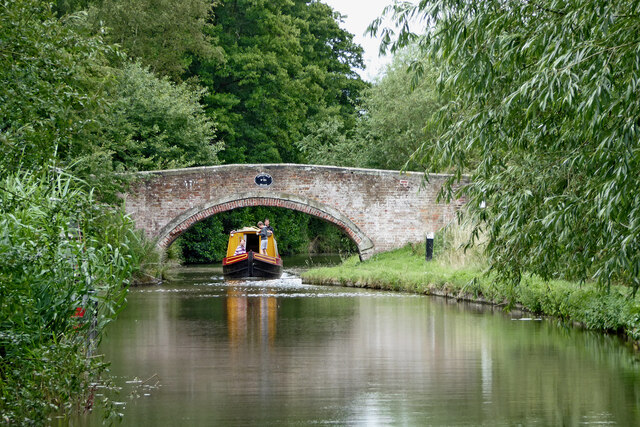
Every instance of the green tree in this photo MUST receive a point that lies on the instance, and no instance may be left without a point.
(253, 93)
(163, 34)
(329, 59)
(62, 100)
(282, 65)
(392, 126)
(206, 241)
(65, 7)
(329, 142)
(545, 92)
(397, 113)
(52, 81)
(156, 124)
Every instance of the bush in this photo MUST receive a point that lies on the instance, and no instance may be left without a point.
(60, 253)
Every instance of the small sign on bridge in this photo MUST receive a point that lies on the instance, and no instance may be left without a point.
(263, 180)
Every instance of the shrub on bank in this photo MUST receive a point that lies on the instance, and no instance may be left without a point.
(64, 265)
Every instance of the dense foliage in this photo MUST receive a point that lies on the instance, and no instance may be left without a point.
(60, 251)
(155, 124)
(72, 111)
(545, 93)
(284, 63)
(63, 97)
(51, 83)
(163, 34)
(391, 127)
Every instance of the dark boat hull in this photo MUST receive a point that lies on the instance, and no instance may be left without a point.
(252, 264)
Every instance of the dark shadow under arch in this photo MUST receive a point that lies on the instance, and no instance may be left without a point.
(183, 222)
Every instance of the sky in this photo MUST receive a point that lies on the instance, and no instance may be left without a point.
(359, 14)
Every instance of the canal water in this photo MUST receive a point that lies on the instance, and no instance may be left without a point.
(202, 351)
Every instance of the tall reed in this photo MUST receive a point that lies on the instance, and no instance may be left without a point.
(454, 247)
(65, 261)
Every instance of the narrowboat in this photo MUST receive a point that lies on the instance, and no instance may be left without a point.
(248, 261)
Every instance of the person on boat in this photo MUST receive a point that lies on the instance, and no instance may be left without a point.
(242, 247)
(268, 227)
(264, 235)
(275, 244)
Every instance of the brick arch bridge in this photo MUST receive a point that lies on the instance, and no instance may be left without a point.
(379, 210)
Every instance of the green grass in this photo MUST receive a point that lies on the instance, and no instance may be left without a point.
(464, 278)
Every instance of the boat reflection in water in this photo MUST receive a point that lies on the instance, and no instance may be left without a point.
(247, 261)
(244, 312)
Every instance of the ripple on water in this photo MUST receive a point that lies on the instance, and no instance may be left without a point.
(288, 286)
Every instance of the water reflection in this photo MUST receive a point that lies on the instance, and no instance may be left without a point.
(261, 313)
(281, 353)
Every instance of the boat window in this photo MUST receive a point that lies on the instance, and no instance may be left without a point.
(253, 242)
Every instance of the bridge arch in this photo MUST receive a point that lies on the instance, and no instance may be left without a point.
(181, 223)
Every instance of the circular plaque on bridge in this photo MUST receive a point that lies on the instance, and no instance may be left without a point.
(263, 180)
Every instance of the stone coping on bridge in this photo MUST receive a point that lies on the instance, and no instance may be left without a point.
(343, 169)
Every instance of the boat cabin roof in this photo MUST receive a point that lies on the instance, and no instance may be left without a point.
(243, 230)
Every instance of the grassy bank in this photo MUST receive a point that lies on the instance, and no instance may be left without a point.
(406, 270)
